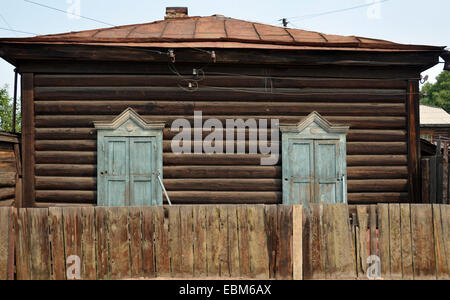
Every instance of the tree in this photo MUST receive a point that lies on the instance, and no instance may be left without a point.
(437, 94)
(6, 111)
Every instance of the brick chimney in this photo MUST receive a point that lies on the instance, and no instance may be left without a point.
(176, 12)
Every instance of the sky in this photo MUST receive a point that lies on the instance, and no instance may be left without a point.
(403, 21)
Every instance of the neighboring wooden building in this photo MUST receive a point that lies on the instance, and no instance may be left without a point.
(10, 170)
(434, 123)
(227, 69)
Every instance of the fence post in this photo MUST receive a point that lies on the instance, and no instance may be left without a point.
(297, 242)
(425, 164)
(439, 173)
(445, 173)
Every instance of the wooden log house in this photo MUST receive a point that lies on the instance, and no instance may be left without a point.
(348, 110)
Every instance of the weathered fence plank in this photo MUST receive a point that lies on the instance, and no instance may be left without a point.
(72, 237)
(135, 231)
(102, 245)
(297, 242)
(88, 270)
(395, 241)
(175, 240)
(187, 255)
(233, 242)
(6, 244)
(199, 241)
(119, 247)
(57, 240)
(271, 213)
(23, 259)
(244, 258)
(424, 261)
(148, 235)
(284, 255)
(363, 240)
(212, 236)
(39, 243)
(344, 254)
(259, 257)
(222, 242)
(407, 256)
(442, 264)
(162, 256)
(384, 245)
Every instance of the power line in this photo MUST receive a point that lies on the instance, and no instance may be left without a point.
(17, 31)
(67, 12)
(310, 16)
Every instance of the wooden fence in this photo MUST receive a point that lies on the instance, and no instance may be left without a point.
(435, 175)
(229, 241)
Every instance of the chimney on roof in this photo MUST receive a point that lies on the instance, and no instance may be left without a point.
(176, 12)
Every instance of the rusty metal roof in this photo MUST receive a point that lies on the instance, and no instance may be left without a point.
(217, 32)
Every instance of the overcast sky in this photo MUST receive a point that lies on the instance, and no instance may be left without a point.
(403, 21)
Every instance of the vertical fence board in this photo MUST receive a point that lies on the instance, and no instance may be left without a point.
(39, 243)
(306, 241)
(212, 236)
(199, 240)
(161, 243)
(373, 229)
(244, 257)
(5, 243)
(57, 240)
(318, 244)
(297, 242)
(328, 246)
(223, 242)
(187, 252)
(88, 260)
(259, 258)
(445, 218)
(119, 243)
(433, 179)
(273, 238)
(102, 247)
(424, 261)
(284, 256)
(22, 243)
(175, 240)
(442, 270)
(363, 240)
(395, 241)
(407, 257)
(136, 246)
(383, 229)
(233, 243)
(72, 234)
(148, 235)
(344, 254)
(445, 176)
(426, 193)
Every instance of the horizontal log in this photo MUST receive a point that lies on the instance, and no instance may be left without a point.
(66, 196)
(377, 185)
(45, 80)
(222, 172)
(209, 93)
(146, 68)
(75, 121)
(377, 160)
(217, 108)
(70, 170)
(354, 135)
(7, 155)
(90, 184)
(8, 167)
(7, 202)
(7, 193)
(67, 204)
(353, 148)
(213, 159)
(7, 179)
(66, 157)
(176, 197)
(384, 172)
(373, 198)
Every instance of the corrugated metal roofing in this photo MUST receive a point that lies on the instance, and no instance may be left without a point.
(433, 116)
(218, 32)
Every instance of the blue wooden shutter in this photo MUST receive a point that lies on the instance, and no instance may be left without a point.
(298, 172)
(115, 175)
(327, 172)
(143, 168)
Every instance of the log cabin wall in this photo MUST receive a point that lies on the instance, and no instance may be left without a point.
(69, 97)
(10, 170)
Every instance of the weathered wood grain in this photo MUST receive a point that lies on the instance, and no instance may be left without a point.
(273, 237)
(363, 240)
(102, 242)
(383, 241)
(297, 242)
(119, 246)
(199, 241)
(284, 255)
(186, 232)
(22, 242)
(6, 244)
(233, 242)
(175, 240)
(212, 236)
(148, 245)
(244, 257)
(135, 231)
(88, 259)
(440, 240)
(407, 255)
(39, 243)
(57, 241)
(72, 217)
(395, 241)
(162, 257)
(344, 253)
(257, 242)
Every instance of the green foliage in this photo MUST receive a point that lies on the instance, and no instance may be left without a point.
(6, 109)
(437, 94)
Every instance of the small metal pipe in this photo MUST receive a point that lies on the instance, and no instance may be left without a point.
(14, 102)
(164, 190)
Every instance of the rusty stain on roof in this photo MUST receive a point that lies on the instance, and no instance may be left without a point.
(219, 32)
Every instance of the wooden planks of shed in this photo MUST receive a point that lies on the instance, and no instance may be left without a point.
(216, 241)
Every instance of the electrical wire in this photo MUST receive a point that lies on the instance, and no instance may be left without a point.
(17, 31)
(6, 22)
(67, 12)
(310, 16)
